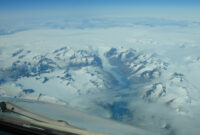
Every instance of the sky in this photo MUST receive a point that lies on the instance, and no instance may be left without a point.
(38, 8)
(8, 4)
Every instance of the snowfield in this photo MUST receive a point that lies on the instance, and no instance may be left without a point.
(133, 75)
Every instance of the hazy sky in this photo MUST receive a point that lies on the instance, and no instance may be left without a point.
(31, 8)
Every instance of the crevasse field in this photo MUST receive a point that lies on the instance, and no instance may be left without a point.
(142, 72)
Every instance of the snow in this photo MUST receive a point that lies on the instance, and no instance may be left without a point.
(89, 70)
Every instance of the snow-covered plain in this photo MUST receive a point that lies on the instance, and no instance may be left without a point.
(144, 76)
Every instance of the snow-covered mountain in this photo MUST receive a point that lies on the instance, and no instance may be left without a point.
(65, 73)
(150, 78)
(128, 84)
(70, 71)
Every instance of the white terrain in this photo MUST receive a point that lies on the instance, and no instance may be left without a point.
(132, 75)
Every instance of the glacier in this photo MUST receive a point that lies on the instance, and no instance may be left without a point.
(137, 78)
